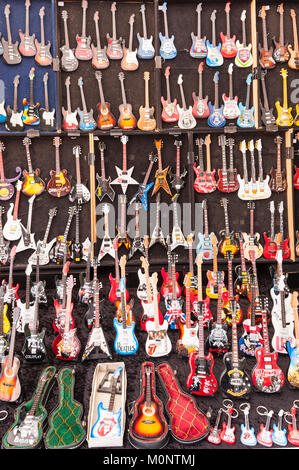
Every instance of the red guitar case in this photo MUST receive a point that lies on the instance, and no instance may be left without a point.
(188, 424)
(138, 440)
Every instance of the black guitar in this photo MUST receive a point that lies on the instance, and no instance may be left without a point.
(76, 246)
(104, 184)
(34, 349)
(217, 340)
(138, 242)
(234, 380)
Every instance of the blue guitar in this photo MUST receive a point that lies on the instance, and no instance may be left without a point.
(246, 118)
(108, 423)
(216, 117)
(167, 48)
(279, 434)
(125, 342)
(214, 57)
(3, 114)
(87, 122)
(146, 49)
(143, 189)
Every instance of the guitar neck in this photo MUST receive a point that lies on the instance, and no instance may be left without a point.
(265, 332)
(78, 172)
(97, 34)
(144, 25)
(131, 38)
(183, 97)
(235, 352)
(123, 93)
(46, 96)
(9, 38)
(242, 256)
(199, 24)
(219, 305)
(168, 90)
(31, 102)
(216, 96)
(266, 102)
(15, 99)
(166, 25)
(213, 34)
(265, 42)
(16, 206)
(281, 29)
(2, 175)
(243, 34)
(83, 100)
(227, 25)
(57, 160)
(113, 26)
(42, 32)
(103, 173)
(66, 34)
(28, 156)
(146, 94)
(84, 23)
(125, 157)
(285, 93)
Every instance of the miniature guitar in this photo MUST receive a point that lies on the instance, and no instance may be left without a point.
(214, 435)
(14, 122)
(293, 435)
(214, 57)
(106, 120)
(170, 277)
(146, 121)
(148, 301)
(122, 235)
(4, 244)
(199, 301)
(244, 54)
(27, 241)
(241, 284)
(144, 187)
(10, 387)
(227, 434)
(292, 372)
(267, 377)
(146, 49)
(138, 242)
(172, 302)
(228, 47)
(198, 49)
(280, 53)
(284, 113)
(245, 189)
(99, 53)
(167, 48)
(170, 110)
(27, 44)
(87, 122)
(178, 178)
(278, 182)
(268, 117)
(177, 236)
(129, 61)
(264, 437)
(266, 59)
(5, 329)
(38, 287)
(104, 184)
(212, 286)
(6, 187)
(34, 350)
(70, 120)
(79, 192)
(60, 302)
(44, 246)
(126, 118)
(108, 424)
(11, 292)
(279, 434)
(43, 56)
(247, 432)
(205, 180)
(270, 248)
(189, 339)
(200, 108)
(157, 235)
(231, 109)
(293, 62)
(11, 55)
(3, 114)
(12, 229)
(251, 240)
(59, 185)
(47, 117)
(227, 181)
(114, 293)
(246, 117)
(124, 175)
(125, 342)
(216, 117)
(186, 118)
(283, 242)
(83, 50)
(96, 346)
(161, 175)
(228, 240)
(226, 306)
(69, 62)
(217, 340)
(205, 245)
(114, 50)
(66, 346)
(33, 184)
(85, 293)
(62, 244)
(30, 114)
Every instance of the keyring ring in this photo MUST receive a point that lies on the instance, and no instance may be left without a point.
(5, 415)
(259, 412)
(294, 403)
(229, 403)
(285, 417)
(244, 405)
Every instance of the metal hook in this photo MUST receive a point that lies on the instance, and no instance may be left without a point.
(244, 406)
(264, 413)
(5, 415)
(227, 403)
(295, 403)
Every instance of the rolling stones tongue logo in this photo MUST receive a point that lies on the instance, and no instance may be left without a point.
(106, 426)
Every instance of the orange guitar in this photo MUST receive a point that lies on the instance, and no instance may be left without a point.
(161, 175)
(10, 388)
(146, 121)
(126, 118)
(106, 120)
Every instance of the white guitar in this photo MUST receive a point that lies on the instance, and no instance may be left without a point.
(157, 343)
(107, 247)
(244, 56)
(231, 109)
(145, 288)
(177, 237)
(251, 239)
(27, 308)
(186, 118)
(124, 176)
(27, 241)
(12, 229)
(264, 189)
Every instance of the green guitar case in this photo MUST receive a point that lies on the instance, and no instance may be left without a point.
(27, 429)
(65, 429)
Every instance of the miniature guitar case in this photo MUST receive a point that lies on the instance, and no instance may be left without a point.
(188, 424)
(65, 425)
(148, 427)
(27, 430)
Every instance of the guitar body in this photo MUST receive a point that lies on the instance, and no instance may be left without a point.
(70, 120)
(47, 120)
(27, 45)
(114, 49)
(10, 388)
(100, 60)
(214, 57)
(69, 62)
(268, 118)
(148, 314)
(266, 58)
(34, 348)
(126, 118)
(104, 188)
(166, 288)
(157, 342)
(216, 117)
(58, 322)
(146, 121)
(125, 342)
(200, 109)
(226, 311)
(293, 62)
(108, 423)
(234, 381)
(11, 55)
(59, 185)
(248, 436)
(280, 53)
(231, 109)
(188, 340)
(278, 182)
(212, 287)
(251, 338)
(148, 423)
(106, 120)
(129, 61)
(246, 118)
(66, 346)
(145, 49)
(228, 48)
(227, 181)
(186, 118)
(6, 190)
(96, 346)
(174, 312)
(252, 245)
(32, 184)
(83, 50)
(167, 47)
(114, 293)
(284, 115)
(217, 341)
(30, 114)
(227, 243)
(293, 369)
(267, 376)
(170, 111)
(14, 121)
(198, 49)
(204, 182)
(161, 181)
(12, 229)
(43, 55)
(87, 122)
(270, 248)
(44, 256)
(201, 379)
(281, 334)
(244, 56)
(141, 195)
(205, 246)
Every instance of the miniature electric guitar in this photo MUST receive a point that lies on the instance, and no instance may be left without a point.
(138, 241)
(106, 120)
(99, 53)
(83, 50)
(12, 229)
(11, 54)
(5, 327)
(172, 302)
(145, 294)
(268, 117)
(251, 240)
(161, 175)
(205, 181)
(216, 117)
(241, 284)
(189, 338)
(27, 241)
(129, 61)
(244, 55)
(170, 111)
(284, 112)
(228, 240)
(32, 184)
(34, 350)
(47, 118)
(6, 187)
(146, 121)
(200, 108)
(280, 53)
(146, 49)
(198, 49)
(293, 62)
(144, 187)
(214, 57)
(231, 109)
(10, 387)
(14, 121)
(79, 192)
(43, 54)
(4, 244)
(177, 236)
(157, 235)
(104, 184)
(217, 340)
(27, 45)
(107, 244)
(44, 246)
(266, 59)
(186, 118)
(205, 244)
(114, 293)
(278, 182)
(114, 50)
(30, 114)
(70, 120)
(69, 62)
(227, 182)
(170, 277)
(246, 117)
(167, 48)
(62, 244)
(124, 175)
(126, 118)
(58, 185)
(228, 47)
(87, 122)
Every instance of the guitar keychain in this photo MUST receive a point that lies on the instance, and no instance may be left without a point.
(264, 437)
(279, 434)
(293, 435)
(214, 436)
(247, 433)
(227, 434)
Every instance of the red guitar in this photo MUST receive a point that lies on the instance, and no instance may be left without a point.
(60, 307)
(286, 252)
(266, 376)
(106, 120)
(228, 48)
(114, 293)
(170, 112)
(270, 248)
(204, 303)
(227, 182)
(200, 108)
(296, 177)
(166, 288)
(66, 346)
(205, 180)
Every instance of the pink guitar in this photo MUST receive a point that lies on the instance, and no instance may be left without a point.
(114, 50)
(170, 111)
(264, 436)
(205, 180)
(227, 434)
(200, 108)
(228, 47)
(83, 50)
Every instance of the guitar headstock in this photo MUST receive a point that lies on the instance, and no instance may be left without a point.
(230, 68)
(28, 269)
(26, 141)
(278, 140)
(96, 16)
(98, 75)
(31, 73)
(294, 301)
(67, 81)
(200, 67)
(216, 77)
(187, 281)
(132, 19)
(2, 210)
(124, 139)
(7, 11)
(142, 8)
(146, 76)
(249, 79)
(263, 303)
(199, 261)
(227, 7)
(52, 212)
(41, 12)
(84, 4)
(146, 241)
(204, 205)
(158, 144)
(152, 157)
(155, 280)
(27, 3)
(102, 146)
(243, 15)
(199, 142)
(106, 209)
(121, 76)
(64, 15)
(180, 79)
(224, 202)
(163, 7)
(178, 143)
(280, 9)
(2, 147)
(16, 80)
(77, 150)
(72, 210)
(280, 207)
(263, 12)
(16, 315)
(213, 16)
(117, 372)
(190, 239)
(233, 307)
(222, 140)
(208, 140)
(293, 13)
(199, 8)
(57, 142)
(113, 6)
(230, 142)
(122, 264)
(251, 145)
(167, 72)
(251, 205)
(258, 145)
(45, 77)
(229, 255)
(19, 185)
(243, 146)
(272, 207)
(284, 73)
(219, 277)
(80, 82)
(70, 284)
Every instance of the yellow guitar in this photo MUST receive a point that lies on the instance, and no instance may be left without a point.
(4, 321)
(284, 113)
